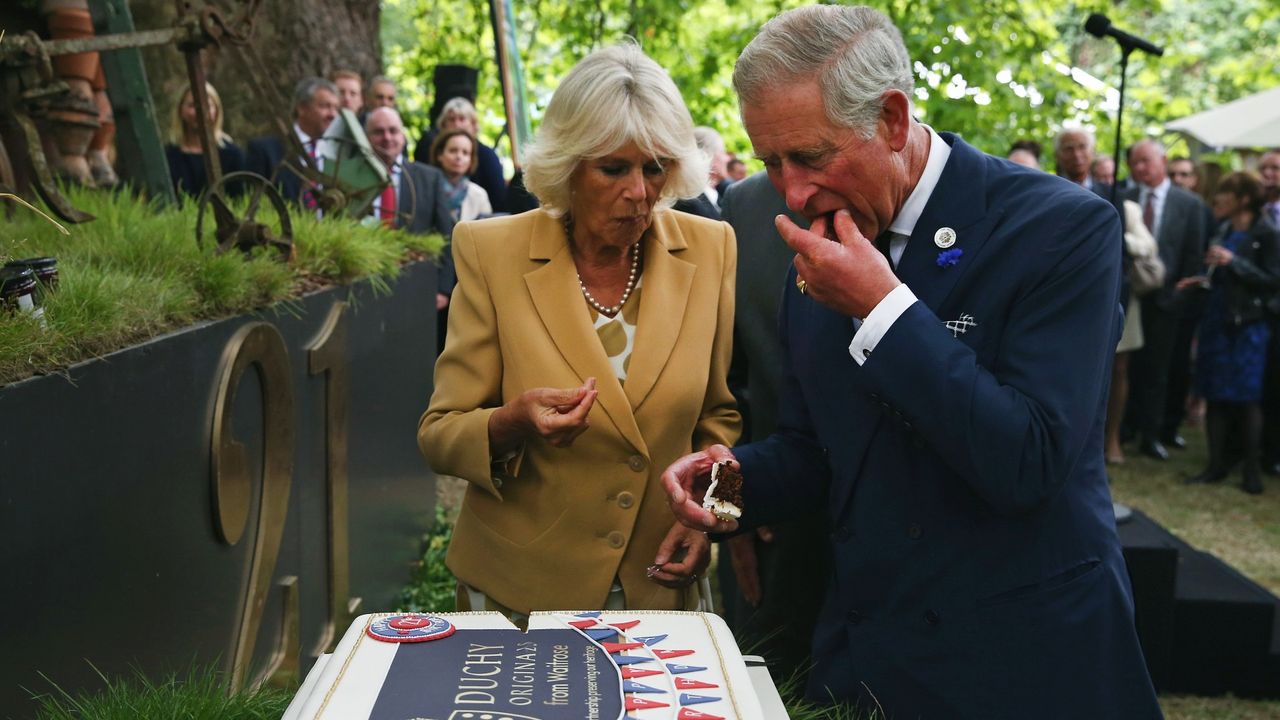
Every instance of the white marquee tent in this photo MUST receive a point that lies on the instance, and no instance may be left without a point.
(1250, 122)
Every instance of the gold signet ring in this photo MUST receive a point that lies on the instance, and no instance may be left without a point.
(801, 285)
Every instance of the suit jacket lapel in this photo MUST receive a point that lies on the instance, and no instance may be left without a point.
(564, 314)
(667, 282)
(958, 202)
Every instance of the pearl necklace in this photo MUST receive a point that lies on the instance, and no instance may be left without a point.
(631, 278)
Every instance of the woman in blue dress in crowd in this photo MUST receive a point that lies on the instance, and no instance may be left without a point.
(1243, 275)
(184, 153)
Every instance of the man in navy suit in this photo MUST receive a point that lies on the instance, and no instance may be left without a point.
(947, 337)
(421, 204)
(315, 105)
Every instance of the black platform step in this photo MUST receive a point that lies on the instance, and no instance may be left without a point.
(1205, 628)
(1223, 626)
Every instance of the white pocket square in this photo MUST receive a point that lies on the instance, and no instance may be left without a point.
(961, 326)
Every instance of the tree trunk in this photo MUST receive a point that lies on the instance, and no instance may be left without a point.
(293, 39)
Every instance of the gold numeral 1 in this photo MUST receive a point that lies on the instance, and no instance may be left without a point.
(327, 353)
(257, 344)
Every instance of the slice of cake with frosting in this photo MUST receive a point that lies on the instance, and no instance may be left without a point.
(724, 494)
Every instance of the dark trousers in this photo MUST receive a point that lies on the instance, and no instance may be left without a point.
(1175, 404)
(1149, 371)
(794, 569)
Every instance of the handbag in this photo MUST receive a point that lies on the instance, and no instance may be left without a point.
(1146, 270)
(1146, 274)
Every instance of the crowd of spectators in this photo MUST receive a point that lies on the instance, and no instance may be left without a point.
(1206, 328)
(1201, 341)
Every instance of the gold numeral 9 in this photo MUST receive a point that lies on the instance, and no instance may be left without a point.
(257, 344)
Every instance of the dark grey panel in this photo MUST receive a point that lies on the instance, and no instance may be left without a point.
(108, 550)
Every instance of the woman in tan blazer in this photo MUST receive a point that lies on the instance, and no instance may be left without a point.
(587, 349)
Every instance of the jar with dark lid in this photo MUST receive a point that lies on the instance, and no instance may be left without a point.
(45, 268)
(18, 292)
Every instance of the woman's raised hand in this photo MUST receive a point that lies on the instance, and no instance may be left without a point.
(555, 415)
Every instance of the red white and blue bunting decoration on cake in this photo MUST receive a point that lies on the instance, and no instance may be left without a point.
(649, 684)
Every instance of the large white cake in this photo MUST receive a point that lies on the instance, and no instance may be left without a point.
(646, 665)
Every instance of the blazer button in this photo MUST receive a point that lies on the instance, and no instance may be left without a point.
(497, 483)
(626, 500)
(636, 463)
(615, 539)
(931, 617)
(841, 534)
(914, 532)
(854, 617)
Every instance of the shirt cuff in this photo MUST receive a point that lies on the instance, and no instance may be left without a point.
(878, 322)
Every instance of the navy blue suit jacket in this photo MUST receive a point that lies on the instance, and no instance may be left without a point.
(977, 572)
(266, 157)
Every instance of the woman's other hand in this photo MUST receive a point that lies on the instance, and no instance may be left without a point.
(1194, 281)
(682, 557)
(1218, 255)
(554, 415)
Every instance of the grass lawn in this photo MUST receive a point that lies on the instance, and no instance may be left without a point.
(1243, 530)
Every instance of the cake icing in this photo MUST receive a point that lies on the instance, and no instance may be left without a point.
(724, 495)
(611, 665)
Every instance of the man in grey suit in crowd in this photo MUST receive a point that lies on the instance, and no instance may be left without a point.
(420, 205)
(1176, 218)
(773, 578)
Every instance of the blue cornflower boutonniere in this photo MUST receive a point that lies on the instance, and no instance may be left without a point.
(947, 258)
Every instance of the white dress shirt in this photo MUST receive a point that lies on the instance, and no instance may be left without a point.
(1161, 192)
(887, 312)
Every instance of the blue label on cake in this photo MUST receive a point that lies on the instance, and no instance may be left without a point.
(502, 673)
(410, 628)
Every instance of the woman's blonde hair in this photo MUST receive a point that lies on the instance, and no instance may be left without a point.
(177, 133)
(614, 96)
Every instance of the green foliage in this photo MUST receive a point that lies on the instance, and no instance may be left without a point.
(199, 694)
(432, 587)
(136, 271)
(994, 72)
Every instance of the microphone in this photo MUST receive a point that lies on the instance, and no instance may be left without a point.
(1099, 25)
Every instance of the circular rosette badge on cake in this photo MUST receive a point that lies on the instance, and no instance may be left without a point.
(410, 628)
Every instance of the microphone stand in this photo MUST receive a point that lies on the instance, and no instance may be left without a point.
(1123, 513)
(1125, 51)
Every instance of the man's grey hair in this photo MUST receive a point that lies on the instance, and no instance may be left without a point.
(709, 141)
(614, 96)
(305, 91)
(855, 53)
(1061, 137)
(1158, 146)
(382, 111)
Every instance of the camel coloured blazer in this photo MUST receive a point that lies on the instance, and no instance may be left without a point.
(553, 529)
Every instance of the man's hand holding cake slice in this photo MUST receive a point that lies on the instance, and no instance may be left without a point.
(687, 482)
